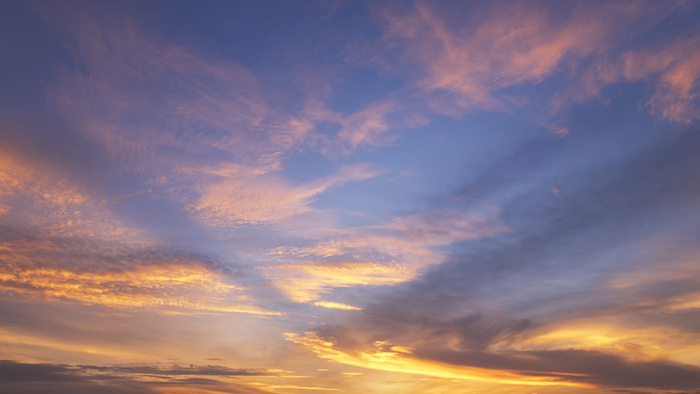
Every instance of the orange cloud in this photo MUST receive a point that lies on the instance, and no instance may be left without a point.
(386, 357)
(179, 287)
(386, 254)
(38, 196)
(304, 282)
(336, 305)
(58, 265)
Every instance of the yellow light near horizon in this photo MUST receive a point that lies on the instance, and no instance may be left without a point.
(380, 359)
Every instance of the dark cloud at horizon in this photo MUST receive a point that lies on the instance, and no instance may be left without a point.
(49, 378)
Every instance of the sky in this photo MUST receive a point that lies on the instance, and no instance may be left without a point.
(295, 197)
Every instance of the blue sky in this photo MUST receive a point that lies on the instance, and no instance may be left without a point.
(363, 197)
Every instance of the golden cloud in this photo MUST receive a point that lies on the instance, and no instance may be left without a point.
(166, 288)
(384, 356)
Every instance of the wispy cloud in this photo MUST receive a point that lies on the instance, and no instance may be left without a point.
(384, 356)
(36, 192)
(245, 196)
(508, 47)
(119, 276)
(33, 378)
(386, 254)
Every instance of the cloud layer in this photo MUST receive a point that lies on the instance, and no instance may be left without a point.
(362, 197)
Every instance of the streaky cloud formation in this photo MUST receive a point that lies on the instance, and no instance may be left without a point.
(360, 197)
(126, 379)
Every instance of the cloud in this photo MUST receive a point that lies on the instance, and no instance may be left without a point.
(483, 59)
(167, 89)
(336, 305)
(380, 255)
(176, 370)
(149, 97)
(245, 196)
(50, 190)
(383, 356)
(61, 242)
(338, 133)
(164, 288)
(198, 129)
(305, 282)
(124, 276)
(565, 367)
(368, 126)
(595, 286)
(510, 46)
(55, 378)
(162, 196)
(676, 68)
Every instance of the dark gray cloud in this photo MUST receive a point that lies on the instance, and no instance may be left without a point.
(175, 370)
(11, 371)
(63, 378)
(599, 368)
(59, 378)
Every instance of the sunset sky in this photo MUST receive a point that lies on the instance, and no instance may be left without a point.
(392, 197)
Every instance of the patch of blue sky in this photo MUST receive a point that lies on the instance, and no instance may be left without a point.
(428, 162)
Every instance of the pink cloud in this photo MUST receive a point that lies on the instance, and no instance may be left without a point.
(467, 63)
(249, 196)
